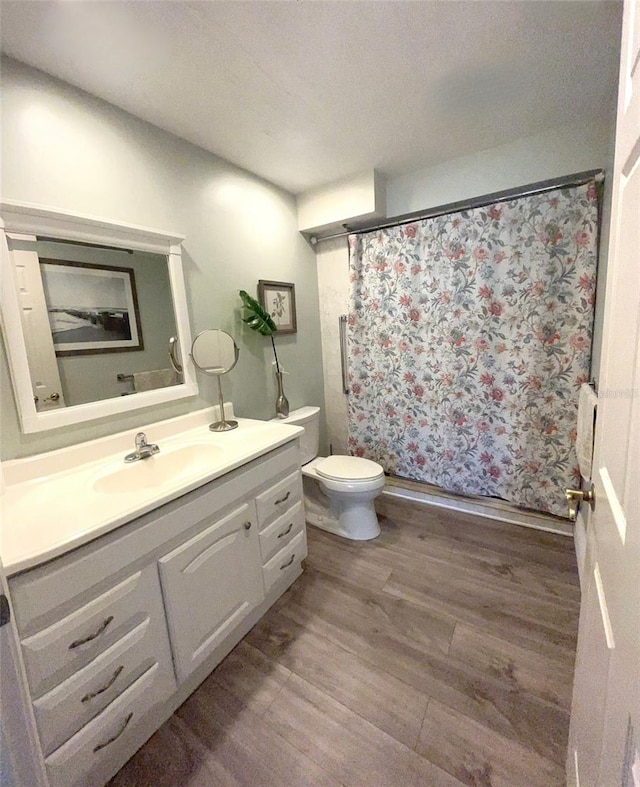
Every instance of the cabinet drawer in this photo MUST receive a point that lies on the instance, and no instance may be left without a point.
(66, 708)
(279, 533)
(278, 498)
(69, 644)
(285, 561)
(88, 758)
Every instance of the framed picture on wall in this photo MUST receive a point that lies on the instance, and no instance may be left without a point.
(279, 299)
(91, 308)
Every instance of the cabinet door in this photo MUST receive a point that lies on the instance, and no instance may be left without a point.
(210, 583)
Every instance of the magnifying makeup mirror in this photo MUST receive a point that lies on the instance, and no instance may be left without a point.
(215, 352)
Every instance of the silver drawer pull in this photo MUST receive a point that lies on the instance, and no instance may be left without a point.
(286, 532)
(116, 736)
(282, 499)
(289, 562)
(84, 641)
(108, 685)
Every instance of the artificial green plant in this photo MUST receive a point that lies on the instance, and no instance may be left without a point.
(259, 320)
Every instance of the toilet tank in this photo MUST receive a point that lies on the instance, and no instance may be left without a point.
(309, 418)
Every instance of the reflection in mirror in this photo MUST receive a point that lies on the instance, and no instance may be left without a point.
(215, 352)
(101, 326)
(88, 309)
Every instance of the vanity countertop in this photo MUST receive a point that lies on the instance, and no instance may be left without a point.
(54, 502)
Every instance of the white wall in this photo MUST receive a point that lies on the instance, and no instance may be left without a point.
(333, 284)
(361, 197)
(562, 151)
(64, 149)
(551, 154)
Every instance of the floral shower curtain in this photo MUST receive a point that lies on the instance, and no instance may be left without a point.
(469, 336)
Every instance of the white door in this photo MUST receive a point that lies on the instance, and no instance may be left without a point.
(604, 739)
(43, 366)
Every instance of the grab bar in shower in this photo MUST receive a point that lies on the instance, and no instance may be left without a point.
(343, 352)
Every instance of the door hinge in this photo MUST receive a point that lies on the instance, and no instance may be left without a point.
(5, 610)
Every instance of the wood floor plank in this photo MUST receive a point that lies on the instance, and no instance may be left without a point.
(250, 752)
(173, 757)
(453, 528)
(352, 749)
(251, 677)
(389, 703)
(481, 565)
(480, 757)
(551, 561)
(479, 694)
(500, 610)
(373, 612)
(353, 562)
(522, 668)
(525, 574)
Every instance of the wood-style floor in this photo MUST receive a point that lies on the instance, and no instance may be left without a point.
(439, 654)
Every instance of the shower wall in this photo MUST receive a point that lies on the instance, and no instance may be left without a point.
(333, 290)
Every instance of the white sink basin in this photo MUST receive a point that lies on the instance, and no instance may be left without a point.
(166, 468)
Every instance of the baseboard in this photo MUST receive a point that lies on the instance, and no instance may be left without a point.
(502, 512)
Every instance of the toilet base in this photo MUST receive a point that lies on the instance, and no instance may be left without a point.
(355, 521)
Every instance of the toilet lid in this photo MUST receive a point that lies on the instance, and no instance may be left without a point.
(349, 468)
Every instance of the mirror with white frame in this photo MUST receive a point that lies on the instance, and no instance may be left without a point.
(89, 310)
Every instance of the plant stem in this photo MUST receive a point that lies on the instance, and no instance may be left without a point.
(275, 354)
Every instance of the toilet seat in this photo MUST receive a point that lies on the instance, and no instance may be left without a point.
(348, 468)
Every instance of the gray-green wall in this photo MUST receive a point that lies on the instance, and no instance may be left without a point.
(65, 149)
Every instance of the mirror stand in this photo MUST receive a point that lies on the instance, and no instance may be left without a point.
(223, 425)
(215, 353)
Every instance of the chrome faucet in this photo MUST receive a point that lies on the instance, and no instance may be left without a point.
(143, 449)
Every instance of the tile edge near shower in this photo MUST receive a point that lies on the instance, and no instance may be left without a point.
(498, 510)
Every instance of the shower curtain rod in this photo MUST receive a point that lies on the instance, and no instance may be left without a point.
(577, 179)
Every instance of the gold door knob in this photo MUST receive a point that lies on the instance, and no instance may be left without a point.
(576, 496)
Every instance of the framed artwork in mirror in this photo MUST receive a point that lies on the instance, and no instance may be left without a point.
(278, 298)
(91, 308)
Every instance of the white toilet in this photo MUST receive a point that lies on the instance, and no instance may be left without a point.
(338, 490)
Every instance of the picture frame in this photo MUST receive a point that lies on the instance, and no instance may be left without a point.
(278, 298)
(91, 308)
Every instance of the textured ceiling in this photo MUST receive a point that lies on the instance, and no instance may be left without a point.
(303, 93)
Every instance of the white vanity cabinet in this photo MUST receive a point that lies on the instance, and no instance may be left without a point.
(117, 633)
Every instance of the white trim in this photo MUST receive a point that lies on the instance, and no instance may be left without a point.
(39, 220)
